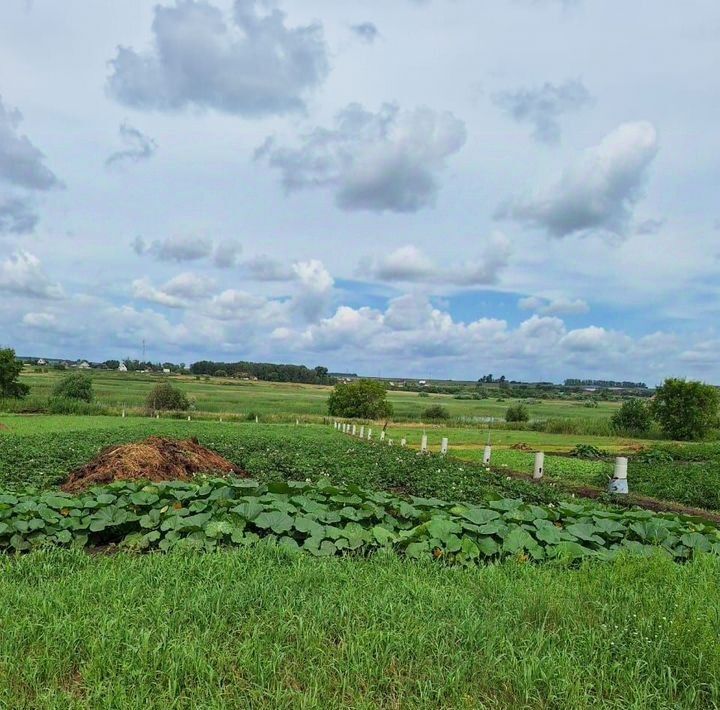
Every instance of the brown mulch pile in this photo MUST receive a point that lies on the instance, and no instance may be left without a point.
(155, 459)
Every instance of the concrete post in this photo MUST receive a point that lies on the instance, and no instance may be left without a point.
(362, 432)
(539, 465)
(618, 483)
(353, 430)
(486, 455)
(257, 419)
(403, 442)
(423, 443)
(444, 445)
(382, 435)
(123, 414)
(369, 433)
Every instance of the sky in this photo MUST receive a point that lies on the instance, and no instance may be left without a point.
(427, 188)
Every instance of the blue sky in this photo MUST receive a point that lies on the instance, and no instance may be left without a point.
(423, 187)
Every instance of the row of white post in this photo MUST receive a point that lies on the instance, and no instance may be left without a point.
(354, 430)
(618, 483)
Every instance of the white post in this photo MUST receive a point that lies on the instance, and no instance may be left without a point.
(221, 420)
(618, 483)
(486, 455)
(423, 443)
(257, 419)
(444, 445)
(369, 433)
(123, 414)
(362, 432)
(335, 425)
(389, 442)
(158, 416)
(403, 442)
(539, 465)
(382, 435)
(353, 430)
(297, 422)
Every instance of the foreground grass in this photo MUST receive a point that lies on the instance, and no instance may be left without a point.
(263, 629)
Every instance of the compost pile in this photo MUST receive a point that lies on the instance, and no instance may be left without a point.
(154, 459)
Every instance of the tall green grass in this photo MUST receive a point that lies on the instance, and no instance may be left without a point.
(261, 629)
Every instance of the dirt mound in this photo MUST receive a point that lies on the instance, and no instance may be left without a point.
(522, 446)
(4, 427)
(155, 459)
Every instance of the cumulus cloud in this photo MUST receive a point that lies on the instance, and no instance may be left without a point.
(250, 63)
(40, 321)
(366, 31)
(410, 265)
(226, 254)
(597, 193)
(314, 289)
(139, 147)
(385, 161)
(21, 274)
(649, 226)
(179, 292)
(265, 268)
(543, 106)
(22, 173)
(556, 306)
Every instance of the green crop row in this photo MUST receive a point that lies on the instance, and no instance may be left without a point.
(325, 520)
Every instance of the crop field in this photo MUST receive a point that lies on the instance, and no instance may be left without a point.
(348, 573)
(231, 396)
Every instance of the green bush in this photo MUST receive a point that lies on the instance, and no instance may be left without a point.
(363, 399)
(74, 386)
(436, 411)
(68, 405)
(10, 370)
(632, 418)
(517, 413)
(686, 410)
(165, 397)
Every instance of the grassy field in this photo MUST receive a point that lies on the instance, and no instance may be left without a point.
(264, 629)
(230, 396)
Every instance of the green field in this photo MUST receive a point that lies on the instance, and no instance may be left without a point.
(231, 396)
(251, 618)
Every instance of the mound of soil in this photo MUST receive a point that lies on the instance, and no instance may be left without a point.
(155, 459)
(522, 446)
(4, 427)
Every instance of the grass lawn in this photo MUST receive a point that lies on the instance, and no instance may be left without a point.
(265, 629)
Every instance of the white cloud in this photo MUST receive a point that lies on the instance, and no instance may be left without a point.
(314, 289)
(250, 64)
(386, 161)
(410, 265)
(555, 306)
(598, 192)
(543, 106)
(139, 146)
(22, 274)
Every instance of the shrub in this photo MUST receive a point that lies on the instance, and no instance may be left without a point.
(423, 394)
(66, 405)
(10, 370)
(363, 399)
(685, 410)
(436, 411)
(632, 418)
(166, 397)
(517, 413)
(74, 386)
(220, 373)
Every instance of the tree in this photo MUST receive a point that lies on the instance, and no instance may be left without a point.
(112, 364)
(74, 386)
(10, 369)
(166, 397)
(517, 413)
(363, 399)
(632, 418)
(436, 411)
(685, 410)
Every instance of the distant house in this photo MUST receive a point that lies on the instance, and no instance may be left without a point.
(422, 383)
(122, 367)
(166, 370)
(84, 365)
(41, 362)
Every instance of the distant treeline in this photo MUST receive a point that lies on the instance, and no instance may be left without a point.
(267, 371)
(605, 383)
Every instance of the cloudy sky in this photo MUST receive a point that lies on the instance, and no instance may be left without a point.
(439, 188)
